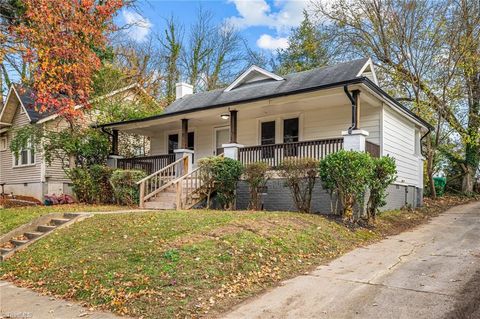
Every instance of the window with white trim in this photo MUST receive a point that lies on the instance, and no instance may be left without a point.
(3, 143)
(25, 156)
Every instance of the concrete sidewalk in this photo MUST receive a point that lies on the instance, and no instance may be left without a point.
(417, 274)
(22, 303)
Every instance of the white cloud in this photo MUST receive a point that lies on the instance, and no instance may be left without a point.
(268, 42)
(138, 27)
(284, 14)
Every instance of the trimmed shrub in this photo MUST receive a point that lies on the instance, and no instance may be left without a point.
(347, 173)
(301, 176)
(124, 185)
(383, 174)
(225, 173)
(91, 185)
(256, 175)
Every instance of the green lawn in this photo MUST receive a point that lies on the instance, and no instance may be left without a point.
(11, 218)
(187, 263)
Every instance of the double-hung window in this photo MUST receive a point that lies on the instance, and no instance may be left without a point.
(290, 135)
(25, 157)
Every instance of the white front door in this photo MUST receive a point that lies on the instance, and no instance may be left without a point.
(222, 136)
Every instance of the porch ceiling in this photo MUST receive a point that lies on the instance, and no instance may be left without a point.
(270, 107)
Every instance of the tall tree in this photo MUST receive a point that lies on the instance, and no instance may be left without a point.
(64, 38)
(420, 47)
(171, 45)
(306, 48)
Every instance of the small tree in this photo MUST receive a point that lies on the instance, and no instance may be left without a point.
(256, 175)
(222, 175)
(383, 174)
(124, 185)
(348, 173)
(206, 177)
(301, 176)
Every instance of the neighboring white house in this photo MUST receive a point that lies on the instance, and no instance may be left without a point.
(29, 174)
(262, 116)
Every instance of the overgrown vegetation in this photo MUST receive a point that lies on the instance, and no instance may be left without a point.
(221, 175)
(256, 175)
(301, 175)
(383, 174)
(189, 263)
(92, 184)
(347, 174)
(124, 186)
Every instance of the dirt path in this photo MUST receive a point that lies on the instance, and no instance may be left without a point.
(422, 273)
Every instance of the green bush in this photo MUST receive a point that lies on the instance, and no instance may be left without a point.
(124, 185)
(301, 176)
(91, 185)
(383, 174)
(256, 175)
(224, 173)
(347, 173)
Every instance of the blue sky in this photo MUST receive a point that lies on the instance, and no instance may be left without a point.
(265, 24)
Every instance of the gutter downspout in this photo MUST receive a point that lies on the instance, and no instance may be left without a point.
(354, 109)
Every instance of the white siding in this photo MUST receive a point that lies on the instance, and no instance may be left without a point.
(399, 143)
(320, 123)
(18, 175)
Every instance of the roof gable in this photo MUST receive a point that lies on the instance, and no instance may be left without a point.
(253, 74)
(368, 70)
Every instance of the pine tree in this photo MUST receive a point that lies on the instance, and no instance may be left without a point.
(306, 49)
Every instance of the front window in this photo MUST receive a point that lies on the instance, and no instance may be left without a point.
(25, 156)
(290, 135)
(172, 143)
(268, 138)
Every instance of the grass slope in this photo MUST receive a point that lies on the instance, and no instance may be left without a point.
(188, 263)
(11, 218)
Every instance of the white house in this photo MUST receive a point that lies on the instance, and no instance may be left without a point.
(262, 116)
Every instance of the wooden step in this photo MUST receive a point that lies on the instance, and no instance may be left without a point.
(159, 205)
(32, 235)
(59, 221)
(18, 242)
(45, 228)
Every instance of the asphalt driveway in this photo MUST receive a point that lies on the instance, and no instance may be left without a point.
(430, 272)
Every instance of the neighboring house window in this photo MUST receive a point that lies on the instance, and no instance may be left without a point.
(25, 157)
(3, 143)
(267, 137)
(290, 135)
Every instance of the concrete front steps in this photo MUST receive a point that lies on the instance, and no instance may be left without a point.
(27, 234)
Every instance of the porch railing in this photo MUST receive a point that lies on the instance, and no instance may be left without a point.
(372, 148)
(274, 154)
(148, 164)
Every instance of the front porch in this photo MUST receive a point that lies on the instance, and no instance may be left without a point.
(313, 124)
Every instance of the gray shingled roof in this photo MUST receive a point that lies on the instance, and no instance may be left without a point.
(293, 82)
(26, 96)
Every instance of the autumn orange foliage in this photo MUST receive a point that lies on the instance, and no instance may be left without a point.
(62, 39)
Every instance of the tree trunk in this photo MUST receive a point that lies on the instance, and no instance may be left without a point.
(430, 169)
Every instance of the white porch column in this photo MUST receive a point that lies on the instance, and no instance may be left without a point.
(230, 150)
(355, 140)
(112, 160)
(186, 166)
